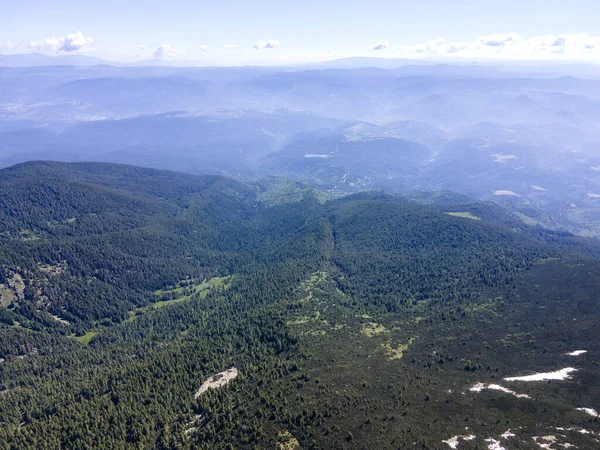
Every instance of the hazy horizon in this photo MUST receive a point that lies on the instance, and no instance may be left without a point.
(269, 32)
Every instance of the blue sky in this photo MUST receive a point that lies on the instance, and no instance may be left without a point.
(267, 31)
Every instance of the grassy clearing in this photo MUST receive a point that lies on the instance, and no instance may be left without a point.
(7, 296)
(28, 236)
(287, 441)
(490, 307)
(13, 291)
(86, 338)
(279, 191)
(398, 352)
(371, 329)
(464, 215)
(512, 339)
(185, 290)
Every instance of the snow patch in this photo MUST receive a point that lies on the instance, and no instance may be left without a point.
(496, 387)
(545, 442)
(454, 440)
(590, 411)
(217, 381)
(506, 192)
(562, 374)
(507, 434)
(578, 430)
(576, 353)
(493, 444)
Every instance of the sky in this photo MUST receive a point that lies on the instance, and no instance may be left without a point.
(276, 32)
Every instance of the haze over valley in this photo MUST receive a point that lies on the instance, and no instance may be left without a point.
(521, 136)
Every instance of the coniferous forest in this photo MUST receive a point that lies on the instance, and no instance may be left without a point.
(366, 321)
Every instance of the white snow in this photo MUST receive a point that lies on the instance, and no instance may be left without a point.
(478, 387)
(562, 374)
(507, 434)
(590, 411)
(217, 381)
(547, 441)
(496, 387)
(506, 192)
(454, 440)
(494, 444)
(578, 430)
(576, 353)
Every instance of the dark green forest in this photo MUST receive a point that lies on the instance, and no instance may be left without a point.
(353, 322)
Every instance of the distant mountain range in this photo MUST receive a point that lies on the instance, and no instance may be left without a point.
(526, 139)
(38, 59)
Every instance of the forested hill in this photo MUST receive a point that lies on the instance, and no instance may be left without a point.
(348, 321)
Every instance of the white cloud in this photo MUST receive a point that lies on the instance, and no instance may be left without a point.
(381, 45)
(428, 48)
(457, 47)
(10, 45)
(143, 47)
(510, 46)
(499, 40)
(271, 43)
(203, 48)
(75, 42)
(164, 51)
(230, 46)
(47, 45)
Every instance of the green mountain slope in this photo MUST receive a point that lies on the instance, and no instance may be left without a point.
(361, 322)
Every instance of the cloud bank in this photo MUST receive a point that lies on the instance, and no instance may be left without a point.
(500, 46)
(381, 45)
(510, 46)
(271, 43)
(75, 42)
(164, 51)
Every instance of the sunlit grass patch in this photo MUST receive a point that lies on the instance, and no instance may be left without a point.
(86, 338)
(398, 352)
(371, 329)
